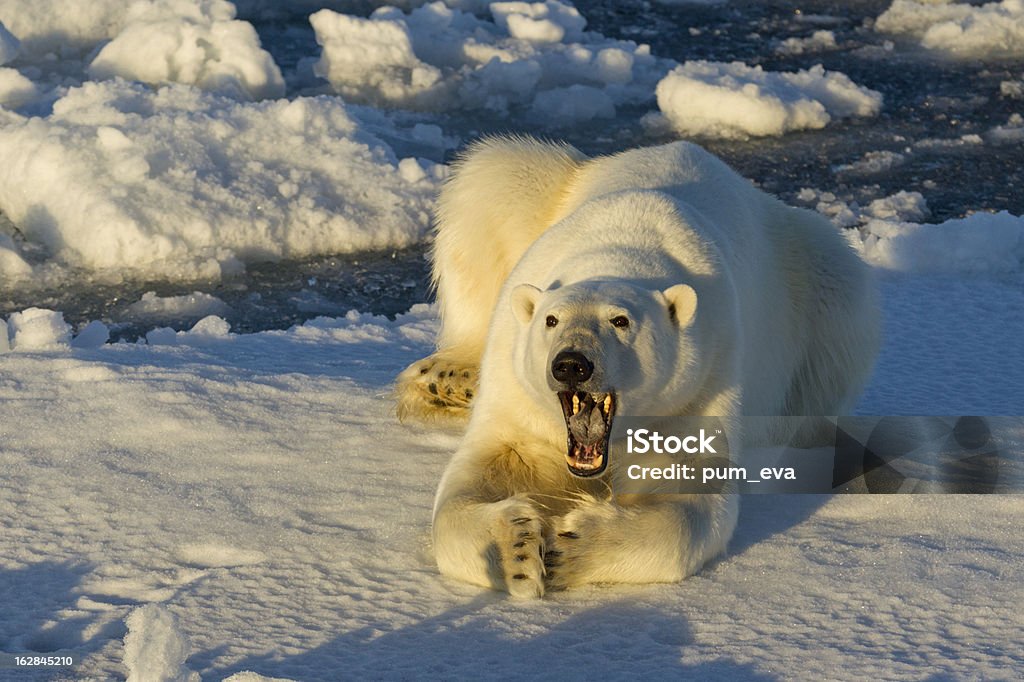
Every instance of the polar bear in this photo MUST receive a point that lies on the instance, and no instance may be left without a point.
(655, 282)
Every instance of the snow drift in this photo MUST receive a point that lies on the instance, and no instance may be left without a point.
(253, 496)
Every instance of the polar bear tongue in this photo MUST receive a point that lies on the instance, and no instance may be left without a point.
(588, 420)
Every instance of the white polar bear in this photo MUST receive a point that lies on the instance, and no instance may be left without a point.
(655, 282)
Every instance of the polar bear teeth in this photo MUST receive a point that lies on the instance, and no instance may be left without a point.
(588, 421)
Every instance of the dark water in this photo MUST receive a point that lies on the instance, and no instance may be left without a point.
(928, 100)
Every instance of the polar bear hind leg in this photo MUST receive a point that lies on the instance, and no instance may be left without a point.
(842, 338)
(503, 193)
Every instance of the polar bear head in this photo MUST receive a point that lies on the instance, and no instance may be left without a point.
(591, 350)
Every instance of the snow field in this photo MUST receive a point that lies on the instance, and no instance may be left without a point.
(243, 503)
(196, 538)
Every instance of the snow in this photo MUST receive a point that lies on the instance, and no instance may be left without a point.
(539, 22)
(154, 41)
(209, 328)
(257, 490)
(197, 304)
(154, 648)
(211, 555)
(200, 44)
(92, 335)
(1011, 133)
(1012, 89)
(12, 265)
(903, 205)
(993, 30)
(38, 329)
(873, 162)
(527, 56)
(889, 234)
(734, 100)
(184, 184)
(15, 89)
(45, 26)
(9, 45)
(982, 242)
(818, 41)
(900, 206)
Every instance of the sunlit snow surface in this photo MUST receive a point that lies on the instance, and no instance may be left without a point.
(211, 502)
(260, 489)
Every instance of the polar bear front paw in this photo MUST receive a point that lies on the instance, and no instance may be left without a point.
(519, 536)
(575, 553)
(438, 386)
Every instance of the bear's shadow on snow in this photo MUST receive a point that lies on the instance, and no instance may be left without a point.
(619, 640)
(32, 600)
(762, 516)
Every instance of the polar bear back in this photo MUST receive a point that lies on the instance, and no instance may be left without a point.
(783, 276)
(686, 171)
(786, 289)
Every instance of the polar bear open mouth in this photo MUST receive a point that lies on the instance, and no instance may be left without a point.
(588, 421)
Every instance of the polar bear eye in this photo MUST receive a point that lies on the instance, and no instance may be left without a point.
(551, 321)
(620, 322)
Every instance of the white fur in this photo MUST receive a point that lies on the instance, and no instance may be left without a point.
(738, 304)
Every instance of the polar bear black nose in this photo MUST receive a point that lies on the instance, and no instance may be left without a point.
(571, 367)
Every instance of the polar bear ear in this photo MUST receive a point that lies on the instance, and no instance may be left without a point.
(524, 301)
(682, 303)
